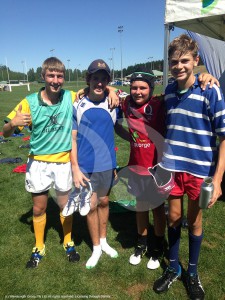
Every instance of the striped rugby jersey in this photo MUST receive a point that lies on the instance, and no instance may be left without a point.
(194, 120)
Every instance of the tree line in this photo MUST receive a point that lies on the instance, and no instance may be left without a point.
(76, 74)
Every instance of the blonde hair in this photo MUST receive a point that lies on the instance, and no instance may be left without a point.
(52, 64)
(182, 45)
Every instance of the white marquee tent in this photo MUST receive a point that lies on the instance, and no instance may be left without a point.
(212, 54)
(206, 17)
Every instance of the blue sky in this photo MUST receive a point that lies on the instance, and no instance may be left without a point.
(81, 31)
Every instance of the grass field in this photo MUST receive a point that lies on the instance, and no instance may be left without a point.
(56, 278)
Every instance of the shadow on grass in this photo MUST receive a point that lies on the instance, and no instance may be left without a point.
(79, 228)
(122, 221)
(53, 220)
(27, 218)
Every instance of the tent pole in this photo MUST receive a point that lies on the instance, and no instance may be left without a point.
(167, 29)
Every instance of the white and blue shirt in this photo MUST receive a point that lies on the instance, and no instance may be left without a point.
(194, 120)
(95, 122)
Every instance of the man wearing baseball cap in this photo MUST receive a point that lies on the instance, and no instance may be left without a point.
(98, 65)
(93, 154)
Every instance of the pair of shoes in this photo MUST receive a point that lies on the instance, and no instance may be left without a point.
(72, 204)
(194, 287)
(35, 258)
(72, 254)
(85, 197)
(79, 199)
(162, 284)
(155, 259)
(139, 252)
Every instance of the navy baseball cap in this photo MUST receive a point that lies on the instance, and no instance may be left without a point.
(97, 65)
(142, 76)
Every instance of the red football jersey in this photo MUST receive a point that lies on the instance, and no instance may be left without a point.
(146, 125)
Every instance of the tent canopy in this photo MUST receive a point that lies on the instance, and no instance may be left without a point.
(157, 73)
(204, 17)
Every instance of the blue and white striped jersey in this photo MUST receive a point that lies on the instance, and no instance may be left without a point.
(194, 120)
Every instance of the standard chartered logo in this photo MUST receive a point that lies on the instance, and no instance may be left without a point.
(208, 5)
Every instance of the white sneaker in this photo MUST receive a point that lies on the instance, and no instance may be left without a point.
(156, 258)
(153, 263)
(72, 204)
(135, 258)
(85, 196)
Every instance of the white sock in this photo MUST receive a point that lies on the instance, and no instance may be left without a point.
(93, 260)
(107, 249)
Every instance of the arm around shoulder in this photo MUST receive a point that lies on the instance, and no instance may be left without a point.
(121, 131)
(206, 78)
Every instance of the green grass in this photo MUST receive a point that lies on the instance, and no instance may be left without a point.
(56, 278)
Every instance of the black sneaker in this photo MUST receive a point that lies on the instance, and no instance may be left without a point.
(194, 287)
(35, 258)
(162, 284)
(139, 252)
(72, 254)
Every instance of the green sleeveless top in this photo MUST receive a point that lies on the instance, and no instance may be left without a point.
(51, 124)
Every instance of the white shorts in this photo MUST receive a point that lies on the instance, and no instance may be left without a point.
(41, 176)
